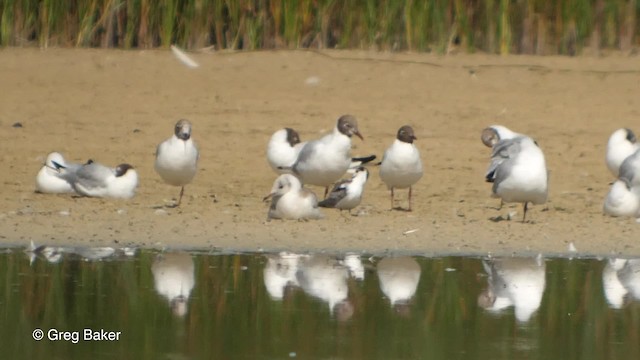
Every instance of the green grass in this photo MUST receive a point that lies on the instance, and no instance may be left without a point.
(493, 26)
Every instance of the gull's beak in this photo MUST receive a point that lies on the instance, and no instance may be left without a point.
(266, 198)
(357, 133)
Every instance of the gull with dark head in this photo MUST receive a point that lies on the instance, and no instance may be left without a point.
(401, 166)
(50, 180)
(622, 143)
(494, 133)
(323, 161)
(347, 193)
(177, 158)
(96, 180)
(289, 200)
(283, 149)
(518, 172)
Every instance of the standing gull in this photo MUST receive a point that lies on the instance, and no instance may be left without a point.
(401, 166)
(96, 180)
(622, 143)
(322, 162)
(177, 158)
(50, 179)
(347, 193)
(289, 200)
(493, 134)
(518, 172)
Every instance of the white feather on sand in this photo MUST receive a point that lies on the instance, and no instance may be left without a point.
(183, 57)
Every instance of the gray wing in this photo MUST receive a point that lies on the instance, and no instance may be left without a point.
(630, 169)
(305, 153)
(93, 175)
(338, 193)
(272, 208)
(502, 158)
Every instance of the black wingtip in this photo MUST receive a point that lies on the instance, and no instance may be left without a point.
(57, 165)
(364, 159)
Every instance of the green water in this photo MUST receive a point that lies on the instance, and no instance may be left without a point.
(179, 305)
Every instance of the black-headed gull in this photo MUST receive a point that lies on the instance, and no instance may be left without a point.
(401, 166)
(289, 200)
(347, 194)
(518, 172)
(493, 134)
(96, 180)
(50, 180)
(622, 143)
(283, 149)
(177, 158)
(322, 162)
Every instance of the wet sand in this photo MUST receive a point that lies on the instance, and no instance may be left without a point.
(116, 106)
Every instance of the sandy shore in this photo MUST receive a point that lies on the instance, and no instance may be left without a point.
(116, 106)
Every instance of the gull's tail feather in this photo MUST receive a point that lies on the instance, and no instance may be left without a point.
(184, 58)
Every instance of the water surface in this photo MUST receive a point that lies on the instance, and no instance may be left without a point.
(190, 305)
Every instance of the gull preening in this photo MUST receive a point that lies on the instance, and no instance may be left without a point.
(50, 180)
(177, 158)
(401, 166)
(518, 172)
(323, 161)
(622, 143)
(283, 149)
(96, 180)
(494, 133)
(347, 194)
(289, 200)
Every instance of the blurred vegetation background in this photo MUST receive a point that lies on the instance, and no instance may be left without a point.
(493, 26)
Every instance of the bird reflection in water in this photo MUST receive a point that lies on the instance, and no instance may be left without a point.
(326, 279)
(399, 278)
(621, 282)
(517, 282)
(173, 275)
